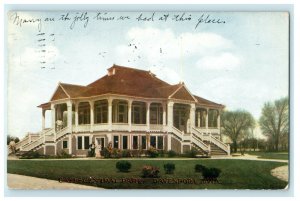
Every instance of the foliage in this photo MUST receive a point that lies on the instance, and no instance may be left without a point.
(12, 138)
(171, 153)
(64, 154)
(199, 168)
(235, 124)
(123, 166)
(31, 155)
(169, 168)
(191, 153)
(126, 153)
(211, 173)
(149, 171)
(152, 152)
(274, 122)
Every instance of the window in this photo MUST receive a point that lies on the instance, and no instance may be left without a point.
(120, 111)
(213, 118)
(79, 142)
(160, 142)
(116, 142)
(125, 142)
(84, 113)
(86, 142)
(156, 113)
(135, 142)
(144, 144)
(138, 113)
(65, 144)
(153, 141)
(101, 111)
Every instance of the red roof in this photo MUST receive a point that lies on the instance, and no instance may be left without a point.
(132, 82)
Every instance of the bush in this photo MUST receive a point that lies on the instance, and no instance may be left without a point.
(211, 173)
(199, 168)
(169, 168)
(171, 154)
(152, 152)
(123, 166)
(192, 153)
(64, 154)
(31, 155)
(149, 171)
(126, 153)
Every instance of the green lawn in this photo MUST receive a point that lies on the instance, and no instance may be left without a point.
(236, 174)
(270, 155)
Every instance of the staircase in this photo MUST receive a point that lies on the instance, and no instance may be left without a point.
(207, 144)
(46, 136)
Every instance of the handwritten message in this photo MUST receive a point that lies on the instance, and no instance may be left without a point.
(84, 19)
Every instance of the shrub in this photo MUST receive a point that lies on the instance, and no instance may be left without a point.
(152, 152)
(171, 154)
(123, 166)
(106, 153)
(31, 155)
(126, 153)
(169, 168)
(199, 168)
(64, 154)
(191, 153)
(149, 171)
(211, 173)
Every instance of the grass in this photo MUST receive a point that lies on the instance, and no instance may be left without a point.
(270, 155)
(236, 174)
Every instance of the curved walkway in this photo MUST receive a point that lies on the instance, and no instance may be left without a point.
(281, 173)
(15, 181)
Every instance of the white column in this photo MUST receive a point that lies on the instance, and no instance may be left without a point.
(206, 126)
(110, 113)
(69, 123)
(76, 116)
(70, 144)
(170, 115)
(53, 116)
(164, 114)
(192, 116)
(91, 116)
(129, 114)
(219, 120)
(43, 119)
(148, 115)
(198, 119)
(169, 141)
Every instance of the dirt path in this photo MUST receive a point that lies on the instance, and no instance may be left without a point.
(281, 173)
(15, 181)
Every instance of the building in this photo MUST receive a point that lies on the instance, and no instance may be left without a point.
(131, 109)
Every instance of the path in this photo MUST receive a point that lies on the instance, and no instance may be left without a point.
(15, 181)
(281, 173)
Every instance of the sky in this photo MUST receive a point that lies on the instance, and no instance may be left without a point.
(241, 60)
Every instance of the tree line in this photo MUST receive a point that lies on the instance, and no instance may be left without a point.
(239, 125)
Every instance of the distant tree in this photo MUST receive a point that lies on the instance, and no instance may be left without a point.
(274, 122)
(235, 124)
(12, 138)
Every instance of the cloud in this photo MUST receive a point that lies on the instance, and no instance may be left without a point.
(165, 52)
(222, 61)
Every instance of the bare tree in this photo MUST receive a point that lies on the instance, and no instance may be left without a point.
(274, 121)
(235, 124)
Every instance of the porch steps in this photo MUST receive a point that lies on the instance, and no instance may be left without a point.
(215, 150)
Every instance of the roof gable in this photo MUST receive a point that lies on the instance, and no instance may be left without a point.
(59, 93)
(182, 94)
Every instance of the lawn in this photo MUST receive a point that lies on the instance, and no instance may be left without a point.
(236, 174)
(270, 155)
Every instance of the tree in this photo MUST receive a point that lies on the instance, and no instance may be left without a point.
(274, 121)
(235, 124)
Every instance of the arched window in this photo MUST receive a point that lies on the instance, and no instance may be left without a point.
(120, 111)
(84, 113)
(101, 111)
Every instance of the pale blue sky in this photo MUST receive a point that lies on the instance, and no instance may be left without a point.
(241, 64)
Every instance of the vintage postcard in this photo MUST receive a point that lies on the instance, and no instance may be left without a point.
(148, 100)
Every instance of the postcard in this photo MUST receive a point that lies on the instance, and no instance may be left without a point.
(148, 100)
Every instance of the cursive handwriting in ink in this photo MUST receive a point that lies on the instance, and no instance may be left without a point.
(17, 20)
(143, 18)
(208, 20)
(103, 17)
(80, 17)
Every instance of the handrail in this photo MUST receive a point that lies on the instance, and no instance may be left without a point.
(200, 135)
(61, 133)
(199, 143)
(34, 144)
(219, 143)
(177, 132)
(22, 142)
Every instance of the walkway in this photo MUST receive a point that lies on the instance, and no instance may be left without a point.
(281, 173)
(15, 181)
